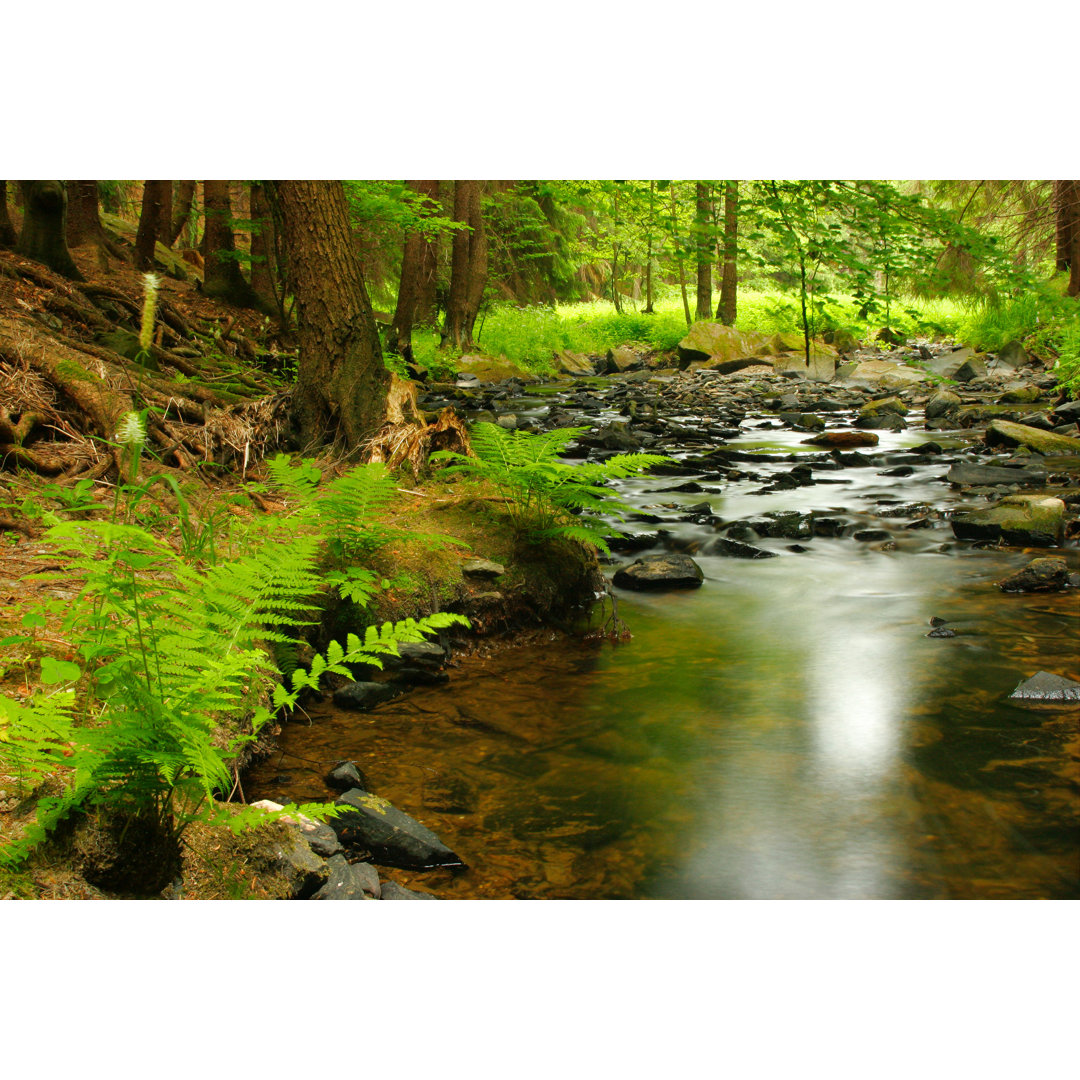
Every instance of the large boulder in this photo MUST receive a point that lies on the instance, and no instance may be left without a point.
(963, 365)
(1008, 434)
(712, 342)
(571, 363)
(1023, 520)
(667, 571)
(885, 374)
(390, 835)
(622, 358)
(822, 367)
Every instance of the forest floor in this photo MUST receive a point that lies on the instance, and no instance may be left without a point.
(217, 377)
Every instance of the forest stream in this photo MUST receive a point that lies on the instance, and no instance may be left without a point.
(788, 730)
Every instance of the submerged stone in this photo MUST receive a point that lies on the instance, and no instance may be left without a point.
(843, 439)
(667, 571)
(1007, 433)
(361, 696)
(349, 881)
(733, 549)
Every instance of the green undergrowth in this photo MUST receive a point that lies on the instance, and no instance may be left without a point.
(531, 336)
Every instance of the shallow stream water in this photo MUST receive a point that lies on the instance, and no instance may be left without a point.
(788, 730)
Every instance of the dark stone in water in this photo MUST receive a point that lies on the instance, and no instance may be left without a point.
(621, 541)
(965, 474)
(669, 571)
(390, 835)
(345, 775)
(868, 535)
(415, 675)
(829, 526)
(349, 882)
(942, 631)
(361, 696)
(735, 550)
(1040, 575)
(1045, 686)
(391, 890)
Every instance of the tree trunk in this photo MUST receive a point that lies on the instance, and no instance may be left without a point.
(222, 278)
(342, 384)
(679, 258)
(1067, 219)
(181, 213)
(468, 265)
(703, 244)
(729, 281)
(262, 246)
(478, 261)
(417, 266)
(156, 211)
(8, 236)
(44, 230)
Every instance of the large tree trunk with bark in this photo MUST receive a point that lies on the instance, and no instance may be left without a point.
(1067, 219)
(222, 278)
(468, 265)
(181, 211)
(44, 230)
(704, 246)
(154, 221)
(417, 274)
(729, 280)
(342, 384)
(8, 236)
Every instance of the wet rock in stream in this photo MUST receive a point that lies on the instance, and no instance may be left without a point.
(655, 572)
(392, 837)
(1047, 687)
(1040, 575)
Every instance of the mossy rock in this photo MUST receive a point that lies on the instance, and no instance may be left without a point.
(1022, 520)
(487, 369)
(711, 343)
(171, 263)
(1008, 434)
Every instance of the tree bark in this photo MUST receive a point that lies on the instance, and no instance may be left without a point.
(1067, 221)
(156, 212)
(222, 278)
(341, 384)
(478, 261)
(702, 221)
(729, 280)
(262, 262)
(44, 231)
(468, 265)
(679, 258)
(181, 213)
(8, 236)
(417, 267)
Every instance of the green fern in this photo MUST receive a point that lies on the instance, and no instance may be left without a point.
(543, 492)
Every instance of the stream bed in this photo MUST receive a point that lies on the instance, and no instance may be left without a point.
(787, 731)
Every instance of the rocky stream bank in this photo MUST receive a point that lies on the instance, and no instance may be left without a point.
(922, 449)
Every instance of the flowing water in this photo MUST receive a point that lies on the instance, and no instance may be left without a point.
(788, 730)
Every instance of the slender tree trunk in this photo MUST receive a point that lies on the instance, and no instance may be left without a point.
(262, 227)
(221, 276)
(156, 211)
(1067, 219)
(703, 244)
(729, 280)
(342, 384)
(478, 260)
(83, 215)
(8, 236)
(679, 258)
(416, 267)
(44, 229)
(185, 196)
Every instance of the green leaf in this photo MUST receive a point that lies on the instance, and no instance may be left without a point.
(57, 671)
